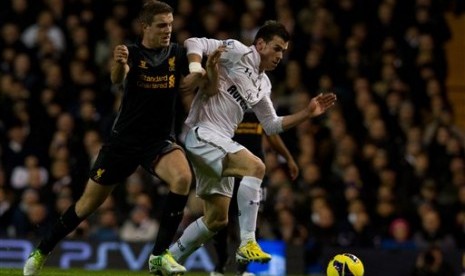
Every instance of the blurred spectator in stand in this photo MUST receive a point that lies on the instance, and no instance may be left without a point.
(16, 149)
(433, 232)
(431, 262)
(114, 35)
(357, 231)
(60, 176)
(38, 222)
(248, 27)
(6, 211)
(21, 174)
(323, 232)
(311, 183)
(106, 227)
(20, 12)
(92, 143)
(288, 229)
(458, 211)
(24, 72)
(139, 227)
(11, 45)
(399, 236)
(20, 222)
(44, 30)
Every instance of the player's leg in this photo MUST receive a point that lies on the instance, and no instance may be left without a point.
(241, 267)
(110, 167)
(94, 195)
(220, 244)
(204, 228)
(220, 240)
(251, 168)
(173, 168)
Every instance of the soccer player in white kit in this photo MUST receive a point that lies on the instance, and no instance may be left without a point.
(236, 82)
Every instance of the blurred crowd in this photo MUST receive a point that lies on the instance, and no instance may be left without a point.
(385, 168)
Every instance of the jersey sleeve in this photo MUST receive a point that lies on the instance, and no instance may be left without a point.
(266, 114)
(235, 50)
(181, 54)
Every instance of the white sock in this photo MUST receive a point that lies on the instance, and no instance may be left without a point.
(192, 238)
(248, 202)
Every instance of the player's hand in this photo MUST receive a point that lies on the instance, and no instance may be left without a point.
(190, 82)
(213, 58)
(211, 85)
(120, 54)
(319, 104)
(293, 169)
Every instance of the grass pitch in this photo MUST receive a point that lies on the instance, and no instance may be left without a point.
(48, 271)
(73, 271)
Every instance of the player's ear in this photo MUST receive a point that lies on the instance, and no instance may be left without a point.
(145, 26)
(260, 44)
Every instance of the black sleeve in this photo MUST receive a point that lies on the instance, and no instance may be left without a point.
(182, 57)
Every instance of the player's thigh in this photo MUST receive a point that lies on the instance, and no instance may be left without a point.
(243, 163)
(174, 169)
(114, 164)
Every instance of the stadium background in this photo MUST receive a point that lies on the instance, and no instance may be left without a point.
(383, 173)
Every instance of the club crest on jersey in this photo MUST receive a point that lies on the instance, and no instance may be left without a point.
(143, 64)
(171, 81)
(251, 94)
(228, 43)
(99, 174)
(172, 64)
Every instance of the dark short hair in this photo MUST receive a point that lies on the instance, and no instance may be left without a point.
(270, 29)
(152, 8)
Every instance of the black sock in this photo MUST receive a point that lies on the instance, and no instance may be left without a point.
(64, 225)
(169, 223)
(220, 241)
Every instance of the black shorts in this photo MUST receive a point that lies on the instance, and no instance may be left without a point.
(116, 162)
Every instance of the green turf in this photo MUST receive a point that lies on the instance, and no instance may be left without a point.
(81, 272)
(74, 271)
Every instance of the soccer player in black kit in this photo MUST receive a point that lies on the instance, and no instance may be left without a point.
(250, 134)
(142, 134)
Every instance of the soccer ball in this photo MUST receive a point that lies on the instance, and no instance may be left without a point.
(345, 265)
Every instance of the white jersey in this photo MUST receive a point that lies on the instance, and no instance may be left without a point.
(241, 86)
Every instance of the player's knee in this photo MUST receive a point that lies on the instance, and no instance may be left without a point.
(181, 183)
(258, 169)
(218, 224)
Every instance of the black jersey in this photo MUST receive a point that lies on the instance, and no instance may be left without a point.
(249, 134)
(147, 111)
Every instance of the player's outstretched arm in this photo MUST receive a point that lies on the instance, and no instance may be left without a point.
(317, 106)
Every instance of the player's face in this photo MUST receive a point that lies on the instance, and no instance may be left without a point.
(271, 52)
(158, 34)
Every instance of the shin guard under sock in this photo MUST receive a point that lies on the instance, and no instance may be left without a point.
(169, 222)
(64, 225)
(248, 201)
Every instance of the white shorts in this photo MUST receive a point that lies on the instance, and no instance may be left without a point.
(206, 151)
